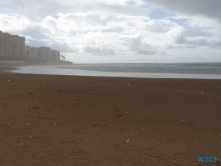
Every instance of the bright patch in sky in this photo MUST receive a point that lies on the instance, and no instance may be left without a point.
(159, 14)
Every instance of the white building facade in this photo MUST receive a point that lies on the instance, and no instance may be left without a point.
(55, 55)
(42, 53)
(22, 46)
(11, 45)
(15, 45)
(32, 52)
(45, 53)
(6, 45)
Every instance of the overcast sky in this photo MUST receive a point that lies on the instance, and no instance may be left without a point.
(144, 31)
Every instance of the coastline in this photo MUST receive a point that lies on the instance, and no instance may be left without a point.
(164, 71)
(63, 120)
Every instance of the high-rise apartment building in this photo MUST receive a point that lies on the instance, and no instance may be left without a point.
(15, 45)
(11, 45)
(22, 46)
(32, 52)
(6, 44)
(45, 53)
(55, 55)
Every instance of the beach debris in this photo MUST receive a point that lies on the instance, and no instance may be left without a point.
(35, 108)
(30, 136)
(8, 80)
(128, 141)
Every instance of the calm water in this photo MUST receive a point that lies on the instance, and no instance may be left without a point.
(141, 70)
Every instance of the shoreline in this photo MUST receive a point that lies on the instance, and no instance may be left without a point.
(63, 120)
(113, 70)
(63, 70)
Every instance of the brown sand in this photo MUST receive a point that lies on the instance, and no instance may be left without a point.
(67, 120)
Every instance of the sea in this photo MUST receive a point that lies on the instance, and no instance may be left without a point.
(133, 70)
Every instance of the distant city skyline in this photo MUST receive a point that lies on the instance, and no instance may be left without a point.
(13, 47)
(127, 31)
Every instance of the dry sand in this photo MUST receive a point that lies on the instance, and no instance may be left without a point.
(68, 120)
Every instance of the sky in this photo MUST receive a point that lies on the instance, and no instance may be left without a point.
(126, 31)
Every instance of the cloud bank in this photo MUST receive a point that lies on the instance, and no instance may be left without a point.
(207, 8)
(118, 31)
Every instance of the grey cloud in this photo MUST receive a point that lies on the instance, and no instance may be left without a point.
(146, 52)
(113, 22)
(199, 42)
(116, 29)
(36, 43)
(36, 32)
(139, 45)
(169, 47)
(99, 50)
(52, 23)
(92, 18)
(62, 47)
(42, 8)
(159, 26)
(42, 37)
(126, 9)
(33, 8)
(208, 8)
(195, 41)
(197, 33)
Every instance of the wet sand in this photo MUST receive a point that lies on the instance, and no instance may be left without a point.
(68, 120)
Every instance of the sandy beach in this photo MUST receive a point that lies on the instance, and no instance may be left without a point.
(69, 120)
